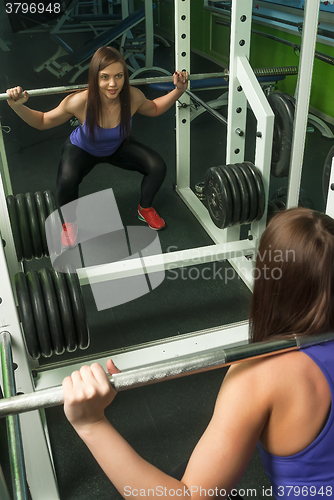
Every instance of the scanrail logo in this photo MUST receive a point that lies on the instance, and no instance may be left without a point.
(103, 240)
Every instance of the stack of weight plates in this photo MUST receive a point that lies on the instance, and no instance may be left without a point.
(234, 194)
(27, 214)
(52, 312)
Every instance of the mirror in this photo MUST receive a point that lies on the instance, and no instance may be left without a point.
(300, 4)
(189, 299)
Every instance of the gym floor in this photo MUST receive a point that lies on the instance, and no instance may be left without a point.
(163, 422)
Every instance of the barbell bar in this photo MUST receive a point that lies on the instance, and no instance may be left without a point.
(211, 110)
(167, 370)
(284, 70)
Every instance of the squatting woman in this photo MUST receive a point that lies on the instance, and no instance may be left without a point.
(105, 112)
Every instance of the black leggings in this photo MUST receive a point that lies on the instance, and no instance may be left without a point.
(75, 163)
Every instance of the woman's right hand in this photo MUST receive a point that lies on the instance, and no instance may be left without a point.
(16, 96)
(87, 393)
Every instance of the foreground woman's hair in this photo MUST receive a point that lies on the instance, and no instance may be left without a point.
(293, 279)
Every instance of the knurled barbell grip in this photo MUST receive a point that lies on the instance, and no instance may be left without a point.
(129, 379)
(167, 370)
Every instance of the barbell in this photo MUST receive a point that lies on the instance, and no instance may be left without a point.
(280, 103)
(167, 370)
(260, 72)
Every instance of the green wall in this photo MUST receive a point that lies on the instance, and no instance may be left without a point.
(213, 40)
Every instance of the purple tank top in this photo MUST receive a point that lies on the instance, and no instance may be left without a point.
(308, 474)
(104, 143)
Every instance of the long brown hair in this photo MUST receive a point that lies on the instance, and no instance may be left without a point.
(100, 60)
(294, 276)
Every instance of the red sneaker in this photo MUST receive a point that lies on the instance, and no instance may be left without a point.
(69, 235)
(150, 216)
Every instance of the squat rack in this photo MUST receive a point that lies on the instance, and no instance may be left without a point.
(38, 458)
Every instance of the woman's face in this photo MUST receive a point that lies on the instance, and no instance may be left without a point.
(111, 80)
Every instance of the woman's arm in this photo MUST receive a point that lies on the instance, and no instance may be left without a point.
(37, 119)
(161, 104)
(217, 462)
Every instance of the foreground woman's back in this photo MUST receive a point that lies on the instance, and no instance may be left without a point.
(281, 403)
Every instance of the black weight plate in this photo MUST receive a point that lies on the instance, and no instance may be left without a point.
(26, 238)
(260, 188)
(55, 226)
(52, 311)
(26, 315)
(42, 215)
(272, 210)
(215, 196)
(11, 205)
(283, 133)
(326, 173)
(280, 192)
(218, 197)
(252, 190)
(244, 193)
(229, 206)
(235, 192)
(78, 308)
(304, 199)
(40, 315)
(291, 99)
(280, 202)
(253, 194)
(65, 308)
(280, 197)
(34, 226)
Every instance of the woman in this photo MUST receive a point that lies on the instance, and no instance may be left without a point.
(105, 113)
(282, 402)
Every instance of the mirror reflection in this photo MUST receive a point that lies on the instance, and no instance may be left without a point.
(54, 47)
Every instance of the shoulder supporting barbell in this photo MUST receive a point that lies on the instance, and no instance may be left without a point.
(167, 370)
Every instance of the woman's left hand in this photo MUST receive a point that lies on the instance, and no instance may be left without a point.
(181, 80)
(87, 393)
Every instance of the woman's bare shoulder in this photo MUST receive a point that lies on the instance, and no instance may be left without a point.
(265, 371)
(137, 99)
(274, 373)
(76, 102)
(136, 93)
